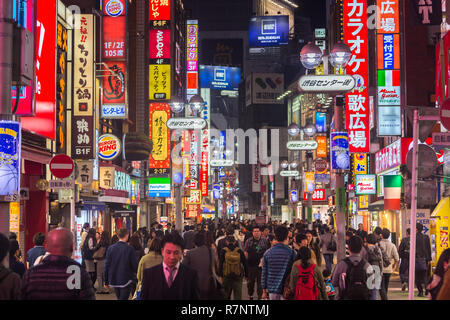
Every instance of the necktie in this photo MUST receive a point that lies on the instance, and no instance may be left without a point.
(171, 273)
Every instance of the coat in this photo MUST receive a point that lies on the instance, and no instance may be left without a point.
(199, 260)
(188, 237)
(391, 251)
(121, 264)
(9, 284)
(325, 240)
(184, 287)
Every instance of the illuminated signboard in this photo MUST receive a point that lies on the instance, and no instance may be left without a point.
(192, 57)
(160, 135)
(114, 8)
(360, 163)
(340, 159)
(43, 122)
(10, 140)
(159, 82)
(268, 31)
(357, 101)
(159, 10)
(366, 184)
(114, 33)
(220, 78)
(159, 47)
(159, 187)
(61, 89)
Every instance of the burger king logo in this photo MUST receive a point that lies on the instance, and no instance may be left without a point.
(114, 8)
(108, 147)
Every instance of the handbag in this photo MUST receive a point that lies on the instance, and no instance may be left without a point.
(216, 290)
(100, 253)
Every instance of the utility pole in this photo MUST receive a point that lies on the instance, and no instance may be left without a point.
(6, 68)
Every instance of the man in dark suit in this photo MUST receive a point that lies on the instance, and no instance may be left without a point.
(170, 280)
(188, 237)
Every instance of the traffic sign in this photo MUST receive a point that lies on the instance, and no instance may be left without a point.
(61, 166)
(445, 114)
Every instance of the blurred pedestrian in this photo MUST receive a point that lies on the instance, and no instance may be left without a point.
(9, 280)
(254, 250)
(151, 259)
(38, 249)
(87, 251)
(99, 258)
(14, 260)
(436, 286)
(232, 268)
(403, 253)
(390, 250)
(329, 247)
(423, 259)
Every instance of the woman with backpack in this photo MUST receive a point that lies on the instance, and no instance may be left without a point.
(306, 280)
(88, 250)
(375, 259)
(232, 268)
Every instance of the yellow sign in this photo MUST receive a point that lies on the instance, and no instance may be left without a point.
(159, 82)
(309, 179)
(14, 218)
(160, 135)
(360, 163)
(363, 202)
(320, 71)
(195, 198)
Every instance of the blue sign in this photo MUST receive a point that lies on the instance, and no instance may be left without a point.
(216, 191)
(268, 31)
(340, 157)
(114, 111)
(10, 139)
(220, 78)
(388, 51)
(321, 122)
(294, 196)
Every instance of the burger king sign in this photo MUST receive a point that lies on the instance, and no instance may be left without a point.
(114, 8)
(108, 147)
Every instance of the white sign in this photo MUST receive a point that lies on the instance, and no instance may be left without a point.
(106, 177)
(328, 83)
(267, 87)
(61, 184)
(256, 177)
(186, 123)
(289, 173)
(221, 163)
(320, 33)
(389, 96)
(302, 145)
(114, 111)
(422, 217)
(389, 121)
(365, 184)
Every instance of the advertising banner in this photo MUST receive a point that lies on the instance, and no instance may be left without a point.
(220, 78)
(114, 8)
(389, 157)
(83, 137)
(192, 57)
(389, 93)
(389, 121)
(159, 82)
(114, 86)
(159, 187)
(267, 87)
(43, 121)
(317, 195)
(321, 122)
(357, 101)
(388, 51)
(322, 147)
(268, 31)
(340, 159)
(309, 184)
(10, 147)
(388, 20)
(160, 135)
(114, 33)
(159, 46)
(159, 10)
(360, 165)
(365, 184)
(61, 90)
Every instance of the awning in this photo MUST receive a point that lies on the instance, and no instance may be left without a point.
(442, 207)
(377, 206)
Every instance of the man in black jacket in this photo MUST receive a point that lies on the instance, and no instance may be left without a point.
(423, 254)
(188, 237)
(170, 280)
(403, 252)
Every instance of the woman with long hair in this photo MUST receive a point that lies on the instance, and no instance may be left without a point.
(436, 284)
(88, 250)
(100, 256)
(151, 259)
(306, 282)
(135, 243)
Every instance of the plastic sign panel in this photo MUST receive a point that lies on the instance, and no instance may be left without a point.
(159, 82)
(43, 122)
(160, 135)
(389, 88)
(388, 51)
(114, 33)
(159, 187)
(357, 101)
(289, 173)
(159, 46)
(389, 121)
(10, 160)
(360, 165)
(194, 198)
(61, 89)
(328, 83)
(220, 78)
(322, 148)
(388, 20)
(114, 8)
(159, 9)
(268, 31)
(340, 159)
(192, 57)
(389, 157)
(309, 182)
(109, 147)
(321, 122)
(114, 86)
(186, 123)
(294, 196)
(317, 195)
(366, 184)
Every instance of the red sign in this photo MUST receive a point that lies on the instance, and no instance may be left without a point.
(113, 86)
(357, 101)
(388, 20)
(61, 166)
(445, 114)
(159, 44)
(350, 187)
(43, 123)
(159, 10)
(318, 195)
(159, 133)
(114, 8)
(114, 37)
(204, 163)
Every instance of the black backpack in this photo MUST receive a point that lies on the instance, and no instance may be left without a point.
(355, 282)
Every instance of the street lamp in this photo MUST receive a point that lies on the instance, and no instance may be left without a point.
(311, 56)
(196, 103)
(177, 105)
(340, 55)
(293, 129)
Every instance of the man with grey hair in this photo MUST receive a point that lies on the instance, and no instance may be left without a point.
(58, 277)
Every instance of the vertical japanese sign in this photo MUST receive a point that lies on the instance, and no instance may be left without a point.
(10, 140)
(61, 89)
(309, 179)
(159, 10)
(114, 54)
(85, 173)
(43, 121)
(160, 135)
(321, 151)
(194, 157)
(357, 101)
(83, 101)
(360, 164)
(205, 155)
(192, 57)
(24, 14)
(389, 69)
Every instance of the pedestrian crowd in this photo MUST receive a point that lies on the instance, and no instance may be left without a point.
(213, 259)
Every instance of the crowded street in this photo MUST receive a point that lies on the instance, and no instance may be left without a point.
(219, 155)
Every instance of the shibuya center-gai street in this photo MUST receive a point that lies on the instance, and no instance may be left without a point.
(222, 154)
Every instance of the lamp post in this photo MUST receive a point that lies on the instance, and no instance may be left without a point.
(311, 57)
